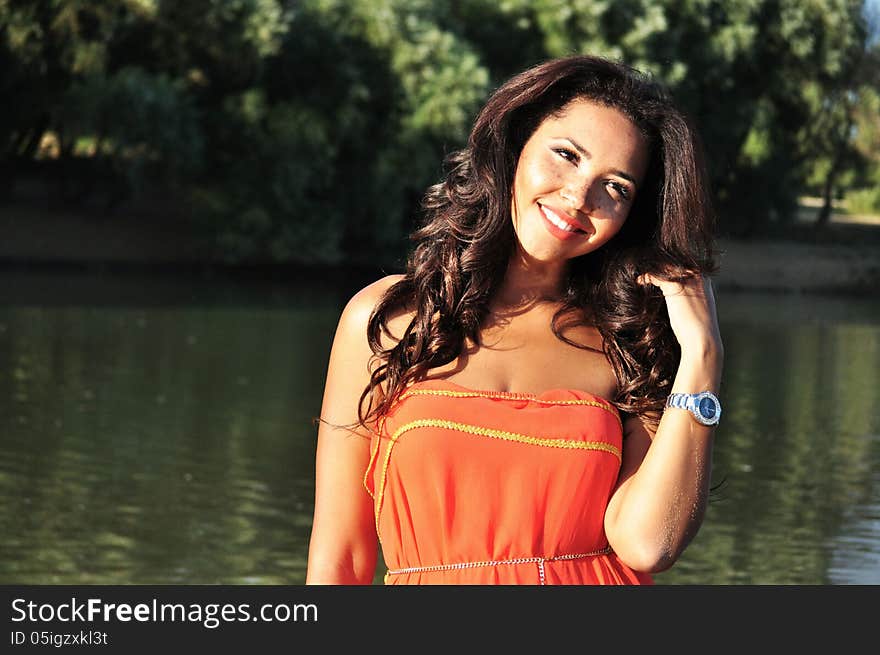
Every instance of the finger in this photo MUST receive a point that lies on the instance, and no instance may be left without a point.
(667, 287)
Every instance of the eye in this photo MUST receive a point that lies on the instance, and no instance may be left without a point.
(619, 189)
(566, 154)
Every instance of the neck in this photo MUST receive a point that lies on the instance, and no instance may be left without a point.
(528, 282)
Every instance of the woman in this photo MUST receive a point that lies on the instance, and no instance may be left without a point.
(512, 409)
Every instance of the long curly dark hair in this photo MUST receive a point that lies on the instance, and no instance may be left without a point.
(466, 240)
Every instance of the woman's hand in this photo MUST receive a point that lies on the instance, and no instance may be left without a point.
(662, 490)
(692, 316)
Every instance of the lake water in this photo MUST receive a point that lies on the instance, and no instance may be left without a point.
(159, 430)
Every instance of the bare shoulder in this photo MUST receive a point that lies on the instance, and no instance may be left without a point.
(351, 355)
(361, 304)
(359, 308)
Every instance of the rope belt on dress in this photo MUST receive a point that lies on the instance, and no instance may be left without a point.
(496, 562)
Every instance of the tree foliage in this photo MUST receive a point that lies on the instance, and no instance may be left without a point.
(307, 130)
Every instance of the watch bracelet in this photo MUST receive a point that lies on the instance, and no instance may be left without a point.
(687, 401)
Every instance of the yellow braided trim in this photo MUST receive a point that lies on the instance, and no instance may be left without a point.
(373, 453)
(514, 396)
(507, 436)
(370, 466)
(570, 444)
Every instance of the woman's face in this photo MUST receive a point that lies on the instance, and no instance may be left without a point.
(576, 179)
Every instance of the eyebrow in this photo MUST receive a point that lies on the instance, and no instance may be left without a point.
(586, 153)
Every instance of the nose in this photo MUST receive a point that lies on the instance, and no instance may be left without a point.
(580, 193)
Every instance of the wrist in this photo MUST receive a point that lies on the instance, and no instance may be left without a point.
(709, 351)
(698, 371)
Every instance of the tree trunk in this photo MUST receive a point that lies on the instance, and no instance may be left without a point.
(827, 197)
(837, 165)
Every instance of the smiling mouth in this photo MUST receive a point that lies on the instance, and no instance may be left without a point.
(557, 221)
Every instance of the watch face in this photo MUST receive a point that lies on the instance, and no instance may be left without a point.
(707, 408)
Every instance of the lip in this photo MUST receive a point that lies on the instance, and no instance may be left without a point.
(563, 235)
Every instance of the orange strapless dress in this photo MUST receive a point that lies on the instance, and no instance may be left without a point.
(485, 487)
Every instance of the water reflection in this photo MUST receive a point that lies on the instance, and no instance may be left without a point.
(160, 434)
(798, 447)
(159, 444)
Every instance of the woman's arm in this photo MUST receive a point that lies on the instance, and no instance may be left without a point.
(344, 547)
(660, 498)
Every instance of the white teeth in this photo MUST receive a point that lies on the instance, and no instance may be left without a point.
(558, 222)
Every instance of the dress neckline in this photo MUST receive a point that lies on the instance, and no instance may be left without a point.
(515, 395)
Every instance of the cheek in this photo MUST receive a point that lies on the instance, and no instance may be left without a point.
(610, 209)
(536, 175)
(611, 219)
(619, 222)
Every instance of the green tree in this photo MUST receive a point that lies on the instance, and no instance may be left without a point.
(308, 131)
(294, 175)
(740, 67)
(841, 139)
(63, 71)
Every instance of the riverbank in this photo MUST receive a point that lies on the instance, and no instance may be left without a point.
(845, 258)
(797, 267)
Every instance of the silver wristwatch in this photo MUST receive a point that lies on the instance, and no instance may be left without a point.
(704, 406)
